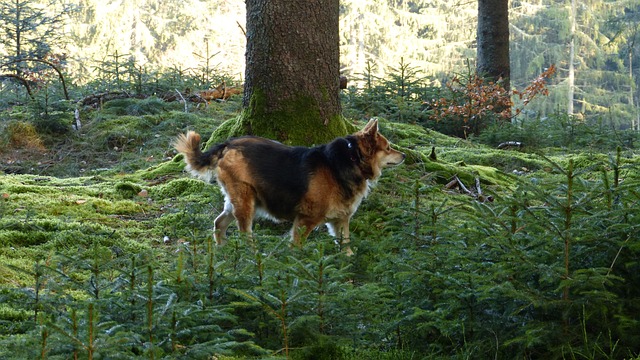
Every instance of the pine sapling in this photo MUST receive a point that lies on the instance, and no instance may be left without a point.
(568, 215)
(150, 309)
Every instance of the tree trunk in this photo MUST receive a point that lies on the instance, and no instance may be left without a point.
(631, 102)
(292, 76)
(493, 40)
(572, 54)
(18, 35)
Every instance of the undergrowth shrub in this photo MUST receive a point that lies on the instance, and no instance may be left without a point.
(52, 104)
(467, 104)
(534, 273)
(559, 130)
(543, 271)
(464, 106)
(21, 135)
(399, 97)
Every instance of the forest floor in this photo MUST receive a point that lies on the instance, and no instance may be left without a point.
(118, 183)
(121, 165)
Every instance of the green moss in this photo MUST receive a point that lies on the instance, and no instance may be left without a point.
(44, 213)
(443, 172)
(30, 189)
(585, 161)
(23, 238)
(490, 175)
(168, 168)
(415, 136)
(502, 159)
(298, 122)
(179, 187)
(417, 142)
(231, 128)
(150, 106)
(137, 107)
(117, 106)
(122, 131)
(122, 207)
(175, 121)
(127, 189)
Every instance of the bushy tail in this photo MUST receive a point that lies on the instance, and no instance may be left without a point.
(200, 164)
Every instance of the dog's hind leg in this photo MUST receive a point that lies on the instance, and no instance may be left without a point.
(222, 223)
(244, 206)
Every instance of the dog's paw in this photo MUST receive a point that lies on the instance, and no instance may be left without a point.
(348, 251)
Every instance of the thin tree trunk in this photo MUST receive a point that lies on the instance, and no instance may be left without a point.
(635, 123)
(571, 79)
(18, 37)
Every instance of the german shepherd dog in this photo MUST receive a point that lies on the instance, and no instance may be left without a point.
(308, 186)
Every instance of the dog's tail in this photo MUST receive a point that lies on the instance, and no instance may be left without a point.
(200, 164)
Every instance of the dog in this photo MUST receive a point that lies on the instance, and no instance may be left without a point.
(307, 186)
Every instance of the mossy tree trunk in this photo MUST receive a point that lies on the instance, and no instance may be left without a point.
(292, 73)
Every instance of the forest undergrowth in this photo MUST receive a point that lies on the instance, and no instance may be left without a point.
(532, 252)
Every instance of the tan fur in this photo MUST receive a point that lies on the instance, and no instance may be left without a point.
(189, 146)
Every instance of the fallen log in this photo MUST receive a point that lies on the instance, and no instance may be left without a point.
(510, 144)
(95, 100)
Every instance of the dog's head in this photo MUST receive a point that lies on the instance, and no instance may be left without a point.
(376, 150)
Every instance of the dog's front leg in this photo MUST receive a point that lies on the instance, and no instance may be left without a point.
(302, 227)
(340, 229)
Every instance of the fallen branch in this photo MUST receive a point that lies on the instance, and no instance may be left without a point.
(20, 79)
(476, 193)
(76, 116)
(183, 100)
(96, 100)
(510, 144)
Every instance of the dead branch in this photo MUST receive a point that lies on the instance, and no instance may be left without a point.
(96, 100)
(476, 193)
(53, 66)
(510, 144)
(20, 79)
(76, 116)
(244, 32)
(183, 100)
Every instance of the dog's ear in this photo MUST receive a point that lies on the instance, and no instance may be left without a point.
(371, 129)
(367, 137)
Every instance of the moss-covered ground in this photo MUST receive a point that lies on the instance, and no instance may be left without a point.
(117, 183)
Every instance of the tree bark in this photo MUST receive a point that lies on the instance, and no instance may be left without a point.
(292, 76)
(572, 54)
(493, 40)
